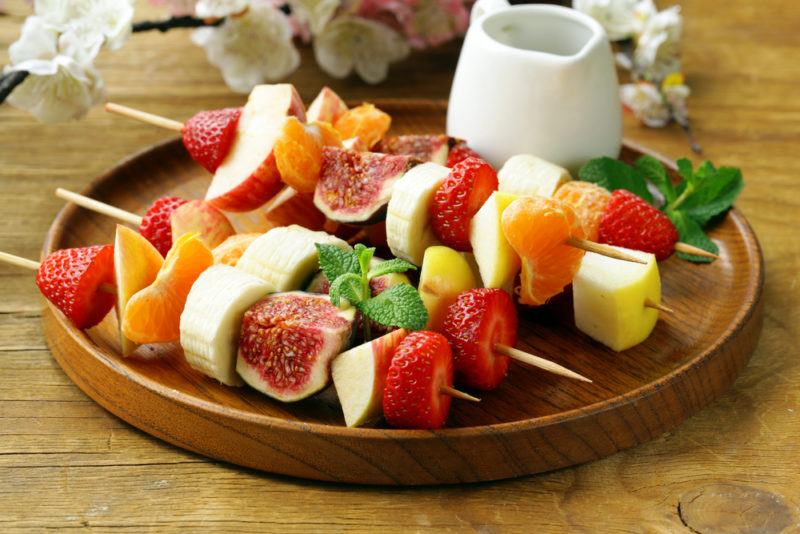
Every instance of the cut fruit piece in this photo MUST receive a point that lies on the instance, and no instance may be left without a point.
(153, 314)
(538, 228)
(298, 155)
(290, 207)
(408, 222)
(459, 153)
(528, 175)
(327, 107)
(156, 225)
(248, 176)
(445, 274)
(198, 216)
(208, 135)
(287, 341)
(497, 261)
(229, 251)
(434, 148)
(359, 375)
(136, 265)
(285, 257)
(355, 187)
(212, 319)
(366, 122)
(589, 202)
(609, 298)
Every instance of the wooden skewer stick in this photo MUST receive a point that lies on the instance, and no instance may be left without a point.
(603, 250)
(453, 392)
(25, 263)
(686, 248)
(660, 307)
(143, 116)
(536, 361)
(99, 207)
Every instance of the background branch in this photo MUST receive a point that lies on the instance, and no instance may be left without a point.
(186, 21)
(9, 81)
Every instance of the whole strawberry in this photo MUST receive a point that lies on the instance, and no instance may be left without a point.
(629, 221)
(459, 153)
(460, 196)
(208, 135)
(478, 320)
(156, 226)
(421, 365)
(71, 278)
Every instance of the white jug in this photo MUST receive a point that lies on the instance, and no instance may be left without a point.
(536, 79)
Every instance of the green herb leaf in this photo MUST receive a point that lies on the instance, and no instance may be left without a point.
(614, 174)
(653, 170)
(713, 194)
(685, 170)
(348, 286)
(335, 261)
(395, 265)
(364, 255)
(400, 305)
(692, 233)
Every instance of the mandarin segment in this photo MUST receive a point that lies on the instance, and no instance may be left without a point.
(298, 155)
(589, 202)
(366, 123)
(229, 251)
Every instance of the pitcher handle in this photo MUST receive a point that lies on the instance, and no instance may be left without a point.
(481, 8)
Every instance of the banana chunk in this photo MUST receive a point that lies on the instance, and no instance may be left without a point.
(528, 175)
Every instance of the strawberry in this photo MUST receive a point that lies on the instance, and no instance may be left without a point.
(156, 226)
(476, 321)
(208, 135)
(629, 221)
(459, 153)
(421, 364)
(70, 278)
(457, 200)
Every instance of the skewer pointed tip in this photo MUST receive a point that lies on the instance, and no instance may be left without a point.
(686, 248)
(453, 392)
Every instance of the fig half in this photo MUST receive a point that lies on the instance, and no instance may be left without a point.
(433, 148)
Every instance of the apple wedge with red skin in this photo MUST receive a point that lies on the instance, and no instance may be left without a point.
(359, 376)
(201, 217)
(248, 176)
(327, 107)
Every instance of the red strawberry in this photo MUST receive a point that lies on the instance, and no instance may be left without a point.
(156, 226)
(70, 278)
(421, 364)
(629, 221)
(209, 134)
(459, 197)
(459, 153)
(475, 322)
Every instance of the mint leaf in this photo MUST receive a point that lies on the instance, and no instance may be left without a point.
(395, 265)
(348, 286)
(400, 305)
(334, 261)
(364, 255)
(714, 194)
(653, 170)
(614, 174)
(692, 233)
(685, 170)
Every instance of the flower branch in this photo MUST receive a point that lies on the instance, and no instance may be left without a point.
(184, 21)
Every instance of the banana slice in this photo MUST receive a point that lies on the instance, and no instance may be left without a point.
(285, 257)
(408, 229)
(528, 175)
(212, 318)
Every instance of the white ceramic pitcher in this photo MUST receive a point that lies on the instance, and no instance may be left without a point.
(536, 79)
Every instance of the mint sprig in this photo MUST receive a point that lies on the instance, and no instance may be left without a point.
(701, 195)
(349, 272)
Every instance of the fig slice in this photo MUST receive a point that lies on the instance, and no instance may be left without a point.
(287, 342)
(355, 187)
(433, 148)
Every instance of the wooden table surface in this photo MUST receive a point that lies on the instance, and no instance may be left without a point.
(65, 462)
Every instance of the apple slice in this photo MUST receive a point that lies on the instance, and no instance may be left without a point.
(359, 376)
(497, 261)
(327, 107)
(201, 217)
(445, 273)
(248, 176)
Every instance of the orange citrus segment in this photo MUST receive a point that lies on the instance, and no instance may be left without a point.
(330, 137)
(298, 155)
(365, 122)
(589, 202)
(153, 314)
(229, 251)
(537, 229)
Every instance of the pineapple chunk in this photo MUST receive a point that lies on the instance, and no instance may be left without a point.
(498, 263)
(527, 175)
(445, 273)
(609, 297)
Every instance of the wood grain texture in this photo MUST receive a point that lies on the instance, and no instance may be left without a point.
(65, 462)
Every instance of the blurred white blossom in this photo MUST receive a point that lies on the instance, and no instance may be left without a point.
(219, 8)
(252, 48)
(646, 102)
(619, 17)
(177, 8)
(88, 23)
(351, 43)
(657, 49)
(315, 13)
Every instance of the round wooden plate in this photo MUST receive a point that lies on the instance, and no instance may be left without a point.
(534, 422)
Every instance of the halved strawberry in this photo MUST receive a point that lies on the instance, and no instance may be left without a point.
(71, 279)
(457, 200)
(421, 365)
(208, 135)
(156, 224)
(459, 153)
(477, 321)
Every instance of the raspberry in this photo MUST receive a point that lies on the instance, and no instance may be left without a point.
(459, 153)
(457, 200)
(156, 226)
(71, 278)
(630, 222)
(208, 135)
(421, 365)
(477, 321)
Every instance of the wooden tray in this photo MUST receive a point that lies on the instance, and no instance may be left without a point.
(534, 422)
